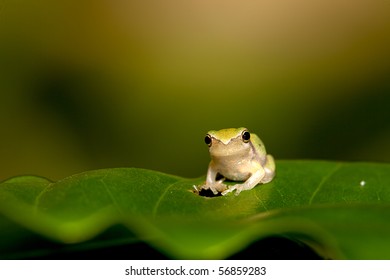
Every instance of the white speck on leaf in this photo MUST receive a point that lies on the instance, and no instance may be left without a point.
(362, 183)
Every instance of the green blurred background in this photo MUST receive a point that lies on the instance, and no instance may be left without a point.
(114, 83)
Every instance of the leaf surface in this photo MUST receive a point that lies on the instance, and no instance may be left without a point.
(342, 210)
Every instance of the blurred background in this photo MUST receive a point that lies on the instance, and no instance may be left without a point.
(125, 83)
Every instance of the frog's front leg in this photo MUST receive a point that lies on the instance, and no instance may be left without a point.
(249, 184)
(211, 182)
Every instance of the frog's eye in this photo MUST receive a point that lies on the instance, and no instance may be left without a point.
(246, 136)
(208, 140)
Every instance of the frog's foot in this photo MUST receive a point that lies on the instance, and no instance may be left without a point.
(238, 188)
(216, 187)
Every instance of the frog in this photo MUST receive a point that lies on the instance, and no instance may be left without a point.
(239, 156)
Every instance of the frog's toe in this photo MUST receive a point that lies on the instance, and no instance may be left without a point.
(238, 191)
(228, 190)
(214, 190)
(238, 188)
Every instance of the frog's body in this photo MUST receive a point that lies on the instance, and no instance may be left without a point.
(237, 155)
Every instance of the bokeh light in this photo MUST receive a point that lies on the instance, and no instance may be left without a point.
(100, 84)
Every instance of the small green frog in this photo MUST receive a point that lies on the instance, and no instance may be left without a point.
(237, 155)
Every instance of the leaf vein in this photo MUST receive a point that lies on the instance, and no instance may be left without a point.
(158, 202)
(324, 179)
(281, 196)
(262, 202)
(114, 201)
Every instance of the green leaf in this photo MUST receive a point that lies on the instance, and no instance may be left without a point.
(341, 210)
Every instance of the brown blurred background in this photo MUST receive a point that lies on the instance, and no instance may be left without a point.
(99, 84)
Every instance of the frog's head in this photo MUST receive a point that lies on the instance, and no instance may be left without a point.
(228, 142)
